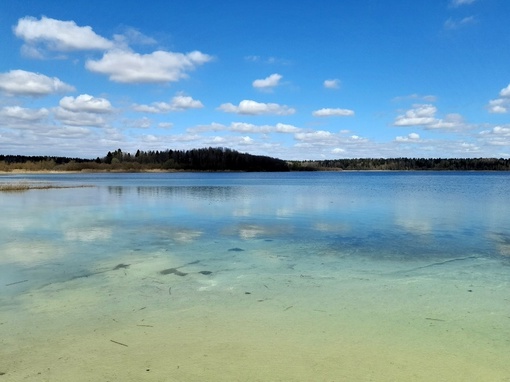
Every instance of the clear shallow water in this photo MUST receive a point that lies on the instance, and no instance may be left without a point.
(313, 276)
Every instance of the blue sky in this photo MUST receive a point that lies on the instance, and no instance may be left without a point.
(289, 79)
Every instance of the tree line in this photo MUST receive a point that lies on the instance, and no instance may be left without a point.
(206, 159)
(405, 164)
(224, 159)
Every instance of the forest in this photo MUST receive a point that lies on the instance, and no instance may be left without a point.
(405, 164)
(206, 159)
(224, 159)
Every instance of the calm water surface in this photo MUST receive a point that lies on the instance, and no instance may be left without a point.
(256, 277)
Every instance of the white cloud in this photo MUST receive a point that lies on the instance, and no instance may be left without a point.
(249, 107)
(501, 131)
(158, 67)
(357, 138)
(178, 103)
(86, 103)
(498, 106)
(142, 123)
(243, 127)
(20, 82)
(84, 110)
(59, 35)
(71, 118)
(456, 24)
(181, 102)
(458, 3)
(329, 143)
(319, 135)
(133, 36)
(425, 115)
(264, 129)
(426, 98)
(23, 114)
(283, 128)
(333, 113)
(246, 141)
(267, 60)
(268, 83)
(413, 137)
(332, 84)
(69, 132)
(450, 121)
(419, 115)
(214, 126)
(497, 136)
(505, 92)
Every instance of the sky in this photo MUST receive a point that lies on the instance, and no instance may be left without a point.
(296, 80)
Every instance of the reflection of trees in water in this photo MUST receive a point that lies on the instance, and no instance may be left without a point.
(116, 190)
(199, 192)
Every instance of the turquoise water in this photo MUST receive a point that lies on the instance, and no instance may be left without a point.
(287, 276)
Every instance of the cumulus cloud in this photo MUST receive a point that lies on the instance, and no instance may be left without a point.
(326, 112)
(246, 141)
(80, 118)
(284, 128)
(249, 107)
(419, 115)
(243, 127)
(413, 137)
(333, 143)
(84, 110)
(268, 83)
(425, 115)
(59, 35)
(450, 121)
(497, 130)
(178, 103)
(20, 82)
(505, 92)
(497, 136)
(319, 135)
(500, 105)
(23, 114)
(264, 129)
(158, 67)
(332, 84)
(86, 103)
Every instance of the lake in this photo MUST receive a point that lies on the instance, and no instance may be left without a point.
(327, 276)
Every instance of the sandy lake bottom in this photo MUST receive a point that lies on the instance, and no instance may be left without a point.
(260, 316)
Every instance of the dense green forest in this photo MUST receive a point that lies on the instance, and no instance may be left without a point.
(207, 159)
(224, 159)
(406, 164)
